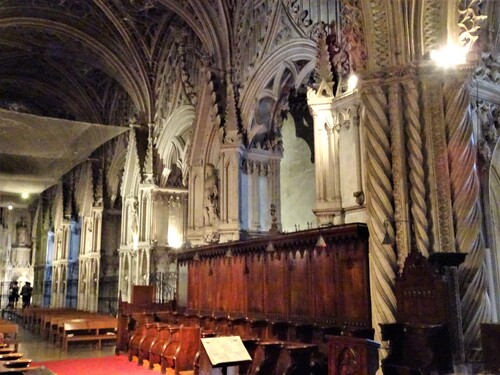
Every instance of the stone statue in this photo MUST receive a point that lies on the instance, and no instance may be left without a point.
(22, 233)
(175, 177)
(211, 195)
(134, 222)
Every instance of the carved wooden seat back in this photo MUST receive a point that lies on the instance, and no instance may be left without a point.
(420, 292)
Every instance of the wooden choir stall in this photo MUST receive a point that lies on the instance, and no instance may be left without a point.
(426, 335)
(284, 294)
(286, 297)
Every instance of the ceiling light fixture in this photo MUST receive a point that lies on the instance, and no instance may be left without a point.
(10, 207)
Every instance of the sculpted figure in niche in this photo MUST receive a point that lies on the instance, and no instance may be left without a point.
(134, 222)
(175, 177)
(22, 232)
(211, 198)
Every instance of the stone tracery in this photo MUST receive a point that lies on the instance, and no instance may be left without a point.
(211, 106)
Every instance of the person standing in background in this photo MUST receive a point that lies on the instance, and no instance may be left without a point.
(14, 294)
(26, 292)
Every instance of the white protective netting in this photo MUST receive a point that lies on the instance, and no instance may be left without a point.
(36, 151)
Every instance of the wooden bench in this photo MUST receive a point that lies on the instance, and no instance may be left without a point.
(165, 344)
(9, 331)
(186, 351)
(45, 319)
(89, 330)
(154, 332)
(57, 323)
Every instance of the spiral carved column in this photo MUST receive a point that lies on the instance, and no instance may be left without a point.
(467, 212)
(383, 260)
(416, 166)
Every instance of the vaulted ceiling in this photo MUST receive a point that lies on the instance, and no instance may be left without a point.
(92, 61)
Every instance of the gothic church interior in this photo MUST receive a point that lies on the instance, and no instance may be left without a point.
(138, 135)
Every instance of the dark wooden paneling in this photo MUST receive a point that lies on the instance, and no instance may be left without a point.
(353, 273)
(275, 287)
(323, 284)
(194, 298)
(301, 295)
(255, 285)
(297, 283)
(204, 280)
(237, 287)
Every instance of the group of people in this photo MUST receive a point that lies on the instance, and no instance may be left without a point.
(25, 294)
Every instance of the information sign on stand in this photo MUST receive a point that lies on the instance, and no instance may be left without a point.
(222, 355)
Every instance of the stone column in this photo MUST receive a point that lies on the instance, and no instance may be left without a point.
(229, 226)
(379, 203)
(467, 213)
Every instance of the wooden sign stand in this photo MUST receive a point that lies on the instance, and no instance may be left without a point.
(222, 355)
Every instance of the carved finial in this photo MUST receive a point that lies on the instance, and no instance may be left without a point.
(98, 197)
(274, 226)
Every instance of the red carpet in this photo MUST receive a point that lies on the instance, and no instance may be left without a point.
(112, 365)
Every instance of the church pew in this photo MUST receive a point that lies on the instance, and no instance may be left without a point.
(43, 318)
(10, 331)
(266, 358)
(54, 322)
(57, 324)
(164, 344)
(129, 326)
(138, 335)
(89, 330)
(153, 332)
(186, 350)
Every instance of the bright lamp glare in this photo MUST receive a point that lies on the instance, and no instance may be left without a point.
(25, 195)
(174, 239)
(352, 82)
(10, 207)
(449, 56)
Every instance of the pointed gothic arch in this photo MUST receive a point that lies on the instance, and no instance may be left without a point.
(173, 142)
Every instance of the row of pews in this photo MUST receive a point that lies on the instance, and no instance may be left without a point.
(64, 325)
(11, 361)
(173, 340)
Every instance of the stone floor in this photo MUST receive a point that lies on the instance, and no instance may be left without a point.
(38, 349)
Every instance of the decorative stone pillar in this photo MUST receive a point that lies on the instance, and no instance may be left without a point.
(383, 259)
(320, 104)
(467, 212)
(229, 220)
